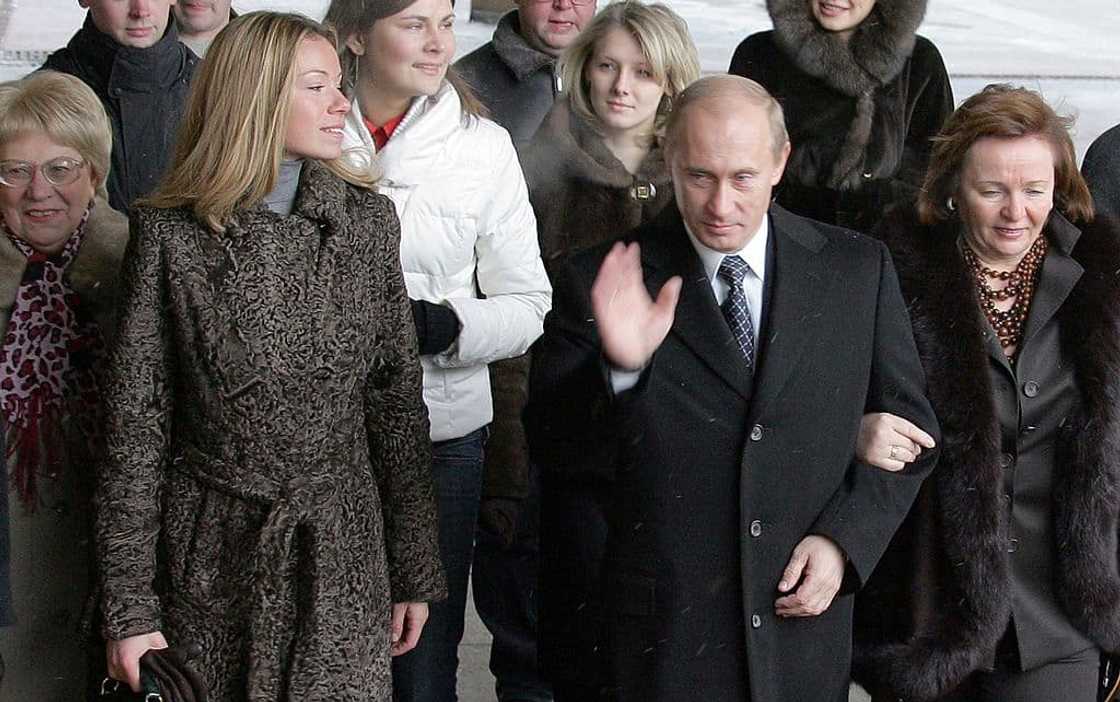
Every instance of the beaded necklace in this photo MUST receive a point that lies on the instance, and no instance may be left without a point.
(1021, 283)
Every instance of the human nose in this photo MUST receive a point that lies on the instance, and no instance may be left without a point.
(139, 8)
(562, 4)
(436, 42)
(340, 105)
(621, 85)
(1014, 207)
(720, 201)
(39, 188)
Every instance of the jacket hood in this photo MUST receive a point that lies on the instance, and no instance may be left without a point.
(515, 52)
(874, 54)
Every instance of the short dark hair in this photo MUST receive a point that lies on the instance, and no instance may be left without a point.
(1003, 111)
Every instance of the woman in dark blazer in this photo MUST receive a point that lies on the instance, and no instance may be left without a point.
(862, 95)
(1002, 584)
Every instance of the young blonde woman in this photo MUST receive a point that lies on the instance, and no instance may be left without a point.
(470, 258)
(595, 170)
(268, 494)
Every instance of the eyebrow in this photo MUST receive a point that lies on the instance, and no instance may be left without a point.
(424, 18)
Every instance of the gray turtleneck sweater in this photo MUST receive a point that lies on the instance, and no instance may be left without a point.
(283, 195)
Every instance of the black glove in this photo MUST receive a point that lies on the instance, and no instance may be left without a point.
(437, 326)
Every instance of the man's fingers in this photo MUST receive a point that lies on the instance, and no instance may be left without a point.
(397, 623)
(914, 433)
(793, 570)
(664, 308)
(891, 465)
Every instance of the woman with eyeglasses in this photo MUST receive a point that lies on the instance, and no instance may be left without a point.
(60, 252)
(471, 265)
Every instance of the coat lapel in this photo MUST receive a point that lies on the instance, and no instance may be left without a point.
(698, 323)
(1060, 273)
(800, 279)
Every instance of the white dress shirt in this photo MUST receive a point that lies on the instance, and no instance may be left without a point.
(754, 253)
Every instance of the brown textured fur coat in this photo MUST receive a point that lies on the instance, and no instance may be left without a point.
(268, 492)
(940, 600)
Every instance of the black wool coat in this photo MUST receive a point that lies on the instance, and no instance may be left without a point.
(940, 600)
(1101, 169)
(708, 480)
(860, 114)
(144, 92)
(514, 80)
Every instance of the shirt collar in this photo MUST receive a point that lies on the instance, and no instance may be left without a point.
(382, 133)
(754, 253)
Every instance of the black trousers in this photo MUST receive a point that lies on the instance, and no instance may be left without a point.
(1072, 679)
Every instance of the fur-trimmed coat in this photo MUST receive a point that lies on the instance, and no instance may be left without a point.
(860, 114)
(51, 563)
(268, 492)
(941, 599)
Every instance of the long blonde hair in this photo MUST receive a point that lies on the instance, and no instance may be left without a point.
(231, 141)
(665, 42)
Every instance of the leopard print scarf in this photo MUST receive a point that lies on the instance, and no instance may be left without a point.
(48, 367)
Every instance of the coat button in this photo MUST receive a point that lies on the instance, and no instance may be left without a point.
(1012, 545)
(756, 621)
(756, 528)
(1006, 460)
(1030, 388)
(756, 432)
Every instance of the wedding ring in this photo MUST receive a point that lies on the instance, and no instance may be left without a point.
(894, 453)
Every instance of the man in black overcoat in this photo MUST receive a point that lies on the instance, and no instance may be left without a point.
(710, 407)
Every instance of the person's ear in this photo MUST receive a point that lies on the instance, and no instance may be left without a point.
(780, 166)
(356, 43)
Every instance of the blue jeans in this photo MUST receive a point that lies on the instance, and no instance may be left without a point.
(427, 672)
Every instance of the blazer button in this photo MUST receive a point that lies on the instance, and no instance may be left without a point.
(1030, 388)
(756, 432)
(756, 621)
(1006, 460)
(756, 528)
(1012, 545)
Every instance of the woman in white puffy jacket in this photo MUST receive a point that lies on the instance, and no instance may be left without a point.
(470, 259)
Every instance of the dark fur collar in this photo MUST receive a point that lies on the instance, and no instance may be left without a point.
(966, 487)
(514, 51)
(874, 55)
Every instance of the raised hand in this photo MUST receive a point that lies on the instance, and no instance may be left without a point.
(631, 324)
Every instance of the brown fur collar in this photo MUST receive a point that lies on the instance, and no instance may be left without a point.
(566, 137)
(965, 489)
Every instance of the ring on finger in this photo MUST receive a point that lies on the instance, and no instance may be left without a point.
(894, 452)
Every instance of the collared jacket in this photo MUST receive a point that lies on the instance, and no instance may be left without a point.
(1020, 519)
(144, 92)
(860, 113)
(268, 490)
(516, 82)
(468, 241)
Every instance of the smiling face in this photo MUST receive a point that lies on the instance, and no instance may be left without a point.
(201, 17)
(724, 169)
(41, 213)
(552, 25)
(135, 23)
(621, 87)
(841, 16)
(318, 107)
(1005, 196)
(406, 55)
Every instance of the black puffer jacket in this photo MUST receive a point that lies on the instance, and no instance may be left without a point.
(860, 113)
(514, 80)
(145, 93)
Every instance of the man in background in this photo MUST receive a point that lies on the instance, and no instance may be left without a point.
(199, 21)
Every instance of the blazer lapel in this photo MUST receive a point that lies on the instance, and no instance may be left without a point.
(801, 278)
(1059, 275)
(698, 323)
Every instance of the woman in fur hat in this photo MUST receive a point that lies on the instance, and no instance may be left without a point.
(1002, 584)
(862, 94)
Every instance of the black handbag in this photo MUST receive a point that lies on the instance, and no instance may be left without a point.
(165, 676)
(1109, 688)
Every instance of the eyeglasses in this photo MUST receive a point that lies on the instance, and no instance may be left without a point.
(58, 171)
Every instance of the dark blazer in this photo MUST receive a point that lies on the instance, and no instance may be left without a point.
(1030, 461)
(708, 480)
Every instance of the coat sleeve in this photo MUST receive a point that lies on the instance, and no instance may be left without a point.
(397, 429)
(510, 274)
(139, 401)
(867, 509)
(1101, 169)
(933, 105)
